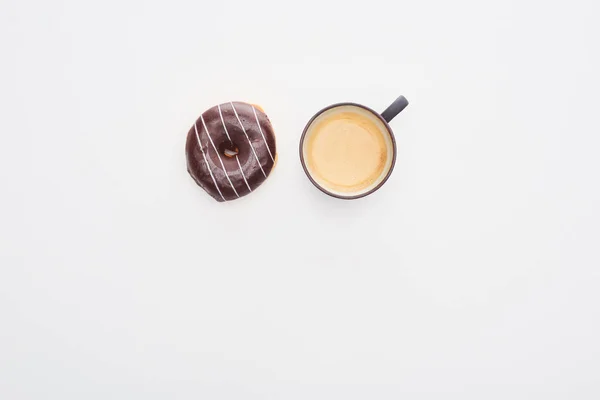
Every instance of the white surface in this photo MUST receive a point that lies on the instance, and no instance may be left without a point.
(473, 274)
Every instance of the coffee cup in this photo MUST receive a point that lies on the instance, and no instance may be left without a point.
(348, 150)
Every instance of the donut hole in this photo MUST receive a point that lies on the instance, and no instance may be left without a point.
(228, 149)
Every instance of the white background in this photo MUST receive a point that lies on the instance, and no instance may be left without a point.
(474, 273)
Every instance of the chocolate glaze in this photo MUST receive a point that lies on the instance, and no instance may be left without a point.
(219, 173)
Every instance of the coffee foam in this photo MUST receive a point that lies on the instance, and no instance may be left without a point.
(347, 150)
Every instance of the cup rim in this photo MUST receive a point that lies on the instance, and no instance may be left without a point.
(389, 171)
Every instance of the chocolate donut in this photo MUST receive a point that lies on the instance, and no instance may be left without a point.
(231, 150)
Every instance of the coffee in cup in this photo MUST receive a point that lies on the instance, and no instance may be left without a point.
(348, 150)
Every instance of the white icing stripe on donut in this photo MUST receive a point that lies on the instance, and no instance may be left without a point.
(229, 137)
(206, 161)
(247, 137)
(218, 155)
(262, 134)
(223, 122)
(244, 176)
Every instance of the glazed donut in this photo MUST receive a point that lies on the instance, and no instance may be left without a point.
(231, 150)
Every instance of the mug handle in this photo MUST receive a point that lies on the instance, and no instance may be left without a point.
(394, 109)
